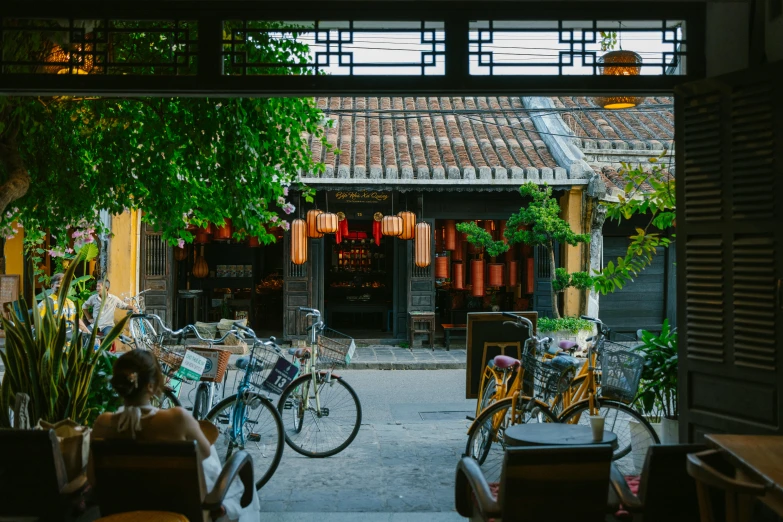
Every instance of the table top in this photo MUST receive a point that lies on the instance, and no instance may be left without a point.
(554, 434)
(762, 455)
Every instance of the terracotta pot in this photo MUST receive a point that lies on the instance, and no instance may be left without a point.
(450, 235)
(477, 277)
(223, 233)
(253, 242)
(513, 270)
(496, 274)
(442, 267)
(202, 237)
(458, 275)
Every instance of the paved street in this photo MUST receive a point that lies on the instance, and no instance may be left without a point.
(382, 357)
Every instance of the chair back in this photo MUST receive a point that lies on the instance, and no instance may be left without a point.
(32, 474)
(666, 489)
(555, 483)
(149, 476)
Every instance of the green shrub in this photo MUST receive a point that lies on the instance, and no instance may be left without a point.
(571, 324)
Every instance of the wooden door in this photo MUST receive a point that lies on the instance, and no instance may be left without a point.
(403, 250)
(421, 290)
(730, 253)
(297, 291)
(156, 274)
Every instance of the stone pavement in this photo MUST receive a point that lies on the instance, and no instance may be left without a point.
(380, 357)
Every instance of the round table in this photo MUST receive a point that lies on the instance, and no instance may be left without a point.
(554, 434)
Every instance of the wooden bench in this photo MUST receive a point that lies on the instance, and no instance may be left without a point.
(451, 329)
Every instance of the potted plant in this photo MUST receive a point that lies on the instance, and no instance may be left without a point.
(482, 239)
(657, 396)
(566, 328)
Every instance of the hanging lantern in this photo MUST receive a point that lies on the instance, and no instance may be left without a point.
(391, 226)
(202, 236)
(422, 251)
(438, 239)
(620, 63)
(299, 241)
(489, 226)
(253, 242)
(496, 274)
(223, 233)
(450, 235)
(477, 277)
(458, 275)
(513, 268)
(180, 254)
(208, 230)
(408, 224)
(200, 267)
(502, 232)
(441, 267)
(457, 254)
(326, 223)
(312, 230)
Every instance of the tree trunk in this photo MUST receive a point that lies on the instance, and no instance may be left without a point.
(18, 180)
(550, 249)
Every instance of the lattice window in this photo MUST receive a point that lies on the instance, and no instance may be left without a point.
(156, 252)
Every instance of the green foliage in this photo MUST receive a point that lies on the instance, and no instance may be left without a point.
(102, 397)
(648, 193)
(570, 324)
(480, 237)
(39, 363)
(659, 377)
(608, 40)
(180, 160)
(578, 280)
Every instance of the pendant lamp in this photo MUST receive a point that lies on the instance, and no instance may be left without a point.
(513, 269)
(299, 241)
(442, 267)
(408, 224)
(477, 277)
(496, 274)
(202, 236)
(180, 254)
(450, 235)
(223, 233)
(422, 244)
(200, 267)
(620, 63)
(391, 225)
(326, 222)
(458, 253)
(253, 242)
(458, 275)
(312, 230)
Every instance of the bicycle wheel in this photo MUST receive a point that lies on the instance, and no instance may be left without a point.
(488, 394)
(260, 432)
(201, 402)
(325, 433)
(166, 400)
(485, 436)
(565, 399)
(634, 433)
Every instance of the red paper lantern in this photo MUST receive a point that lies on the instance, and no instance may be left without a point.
(450, 235)
(477, 277)
(513, 270)
(496, 274)
(442, 267)
(224, 232)
(458, 275)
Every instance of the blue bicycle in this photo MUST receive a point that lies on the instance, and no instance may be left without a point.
(248, 420)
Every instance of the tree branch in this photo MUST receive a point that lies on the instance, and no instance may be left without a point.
(18, 181)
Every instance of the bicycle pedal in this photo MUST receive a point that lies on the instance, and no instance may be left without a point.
(324, 412)
(471, 419)
(253, 437)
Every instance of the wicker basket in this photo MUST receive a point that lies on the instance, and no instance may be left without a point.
(212, 353)
(621, 371)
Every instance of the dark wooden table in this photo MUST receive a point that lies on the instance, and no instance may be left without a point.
(450, 329)
(758, 457)
(554, 434)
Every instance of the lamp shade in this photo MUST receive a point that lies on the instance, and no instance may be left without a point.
(408, 224)
(253, 242)
(391, 226)
(457, 254)
(442, 267)
(450, 235)
(620, 63)
(200, 267)
(477, 277)
(299, 241)
(326, 223)
(458, 275)
(312, 218)
(423, 254)
(496, 274)
(223, 233)
(513, 270)
(180, 254)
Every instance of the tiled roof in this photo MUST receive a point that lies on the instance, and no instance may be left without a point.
(479, 140)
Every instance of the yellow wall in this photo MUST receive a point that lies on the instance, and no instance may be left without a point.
(572, 211)
(123, 253)
(14, 255)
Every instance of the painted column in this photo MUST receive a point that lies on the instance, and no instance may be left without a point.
(572, 210)
(123, 254)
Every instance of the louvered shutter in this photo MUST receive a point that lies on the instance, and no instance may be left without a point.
(156, 274)
(730, 246)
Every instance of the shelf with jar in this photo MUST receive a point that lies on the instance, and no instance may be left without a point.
(358, 256)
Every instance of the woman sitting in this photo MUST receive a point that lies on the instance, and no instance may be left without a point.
(137, 379)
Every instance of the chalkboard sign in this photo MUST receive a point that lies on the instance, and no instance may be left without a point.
(487, 337)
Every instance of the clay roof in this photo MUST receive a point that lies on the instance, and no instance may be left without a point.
(476, 140)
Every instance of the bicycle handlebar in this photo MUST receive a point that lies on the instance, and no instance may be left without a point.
(183, 330)
(272, 342)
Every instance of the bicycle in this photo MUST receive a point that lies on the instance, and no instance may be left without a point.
(248, 420)
(321, 412)
(141, 329)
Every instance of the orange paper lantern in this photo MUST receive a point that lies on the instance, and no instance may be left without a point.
(408, 224)
(253, 242)
(513, 270)
(326, 223)
(180, 254)
(200, 267)
(312, 218)
(458, 275)
(202, 237)
(391, 226)
(442, 267)
(224, 232)
(299, 241)
(423, 254)
(457, 254)
(450, 235)
(477, 277)
(496, 274)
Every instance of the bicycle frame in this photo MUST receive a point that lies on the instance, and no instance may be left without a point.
(310, 363)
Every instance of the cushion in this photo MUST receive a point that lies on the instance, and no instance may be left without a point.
(633, 485)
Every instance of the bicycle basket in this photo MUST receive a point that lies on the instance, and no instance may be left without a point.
(621, 370)
(544, 380)
(265, 360)
(334, 348)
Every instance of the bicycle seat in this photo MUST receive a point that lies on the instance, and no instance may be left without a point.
(243, 362)
(300, 353)
(567, 345)
(563, 361)
(503, 362)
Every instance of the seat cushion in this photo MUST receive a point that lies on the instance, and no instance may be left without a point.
(633, 485)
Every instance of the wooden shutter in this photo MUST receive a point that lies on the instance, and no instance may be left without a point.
(297, 291)
(421, 294)
(730, 253)
(156, 274)
(542, 281)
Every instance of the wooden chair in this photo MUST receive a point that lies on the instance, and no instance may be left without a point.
(551, 483)
(163, 476)
(665, 490)
(711, 470)
(33, 480)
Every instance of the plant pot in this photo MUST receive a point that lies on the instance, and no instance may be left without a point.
(580, 338)
(640, 442)
(670, 431)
